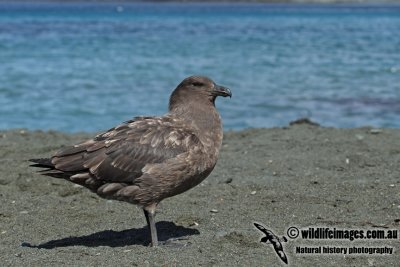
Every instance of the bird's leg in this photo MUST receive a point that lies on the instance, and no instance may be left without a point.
(150, 214)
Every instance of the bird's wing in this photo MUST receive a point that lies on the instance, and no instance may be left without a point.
(260, 227)
(119, 154)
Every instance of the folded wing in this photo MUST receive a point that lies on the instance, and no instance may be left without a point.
(119, 154)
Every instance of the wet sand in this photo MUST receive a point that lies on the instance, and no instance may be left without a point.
(302, 176)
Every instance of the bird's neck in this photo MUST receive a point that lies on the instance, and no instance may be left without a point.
(205, 119)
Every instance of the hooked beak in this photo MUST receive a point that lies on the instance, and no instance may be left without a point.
(222, 91)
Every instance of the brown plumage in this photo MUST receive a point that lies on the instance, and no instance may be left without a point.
(147, 159)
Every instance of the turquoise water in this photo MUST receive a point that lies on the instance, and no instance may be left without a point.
(86, 67)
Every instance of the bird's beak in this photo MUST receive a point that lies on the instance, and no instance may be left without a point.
(222, 91)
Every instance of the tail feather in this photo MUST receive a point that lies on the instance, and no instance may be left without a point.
(42, 163)
(50, 169)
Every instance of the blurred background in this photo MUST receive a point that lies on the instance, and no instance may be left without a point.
(87, 66)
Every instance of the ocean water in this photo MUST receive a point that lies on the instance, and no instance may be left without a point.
(88, 66)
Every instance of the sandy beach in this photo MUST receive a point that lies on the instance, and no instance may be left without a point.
(298, 176)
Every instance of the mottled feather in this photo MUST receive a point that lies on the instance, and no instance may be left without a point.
(119, 154)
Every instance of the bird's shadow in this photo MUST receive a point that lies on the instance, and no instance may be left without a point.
(110, 238)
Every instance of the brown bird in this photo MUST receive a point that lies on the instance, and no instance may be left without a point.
(147, 159)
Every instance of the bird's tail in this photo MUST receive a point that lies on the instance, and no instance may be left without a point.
(42, 163)
(49, 170)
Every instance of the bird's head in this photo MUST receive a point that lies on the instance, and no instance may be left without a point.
(199, 89)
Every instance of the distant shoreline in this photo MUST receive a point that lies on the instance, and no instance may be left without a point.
(214, 1)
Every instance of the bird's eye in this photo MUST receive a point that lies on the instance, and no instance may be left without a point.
(197, 84)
